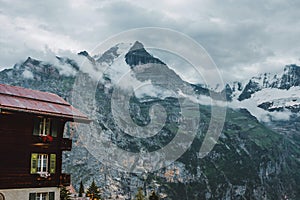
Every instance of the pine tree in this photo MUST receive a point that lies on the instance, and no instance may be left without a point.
(64, 193)
(153, 196)
(140, 195)
(81, 189)
(93, 192)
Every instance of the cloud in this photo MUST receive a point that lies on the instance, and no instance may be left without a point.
(122, 77)
(243, 38)
(27, 74)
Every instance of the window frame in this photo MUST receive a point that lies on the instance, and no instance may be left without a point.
(39, 196)
(43, 126)
(43, 163)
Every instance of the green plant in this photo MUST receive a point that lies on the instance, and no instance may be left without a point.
(64, 193)
(93, 191)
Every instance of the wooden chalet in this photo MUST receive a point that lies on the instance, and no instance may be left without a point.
(31, 143)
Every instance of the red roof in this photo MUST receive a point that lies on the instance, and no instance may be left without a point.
(32, 101)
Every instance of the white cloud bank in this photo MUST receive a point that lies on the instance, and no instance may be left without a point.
(243, 38)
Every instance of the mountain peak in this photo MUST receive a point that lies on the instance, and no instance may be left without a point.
(291, 67)
(109, 55)
(137, 55)
(136, 46)
(83, 53)
(30, 60)
(290, 77)
(87, 55)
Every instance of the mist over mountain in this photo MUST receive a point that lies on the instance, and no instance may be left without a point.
(256, 157)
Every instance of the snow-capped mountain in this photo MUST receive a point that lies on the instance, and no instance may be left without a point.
(249, 161)
(269, 94)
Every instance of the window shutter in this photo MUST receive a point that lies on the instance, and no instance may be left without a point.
(54, 127)
(52, 163)
(36, 126)
(32, 196)
(51, 196)
(34, 160)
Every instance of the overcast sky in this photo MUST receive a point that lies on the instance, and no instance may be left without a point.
(244, 38)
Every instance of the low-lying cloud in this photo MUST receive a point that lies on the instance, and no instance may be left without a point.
(243, 38)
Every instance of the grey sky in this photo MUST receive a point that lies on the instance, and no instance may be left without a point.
(244, 38)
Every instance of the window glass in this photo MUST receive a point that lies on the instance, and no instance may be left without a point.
(36, 128)
(54, 128)
(39, 196)
(45, 126)
(51, 195)
(32, 196)
(42, 163)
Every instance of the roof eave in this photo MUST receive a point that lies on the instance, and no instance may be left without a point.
(74, 118)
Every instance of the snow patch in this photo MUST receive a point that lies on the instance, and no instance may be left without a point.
(123, 48)
(260, 114)
(27, 74)
(278, 97)
(269, 94)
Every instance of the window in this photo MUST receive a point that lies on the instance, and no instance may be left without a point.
(42, 196)
(45, 126)
(40, 163)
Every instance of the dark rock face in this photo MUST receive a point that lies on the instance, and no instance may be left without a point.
(250, 89)
(228, 92)
(137, 55)
(200, 89)
(291, 77)
(265, 105)
(87, 55)
(68, 61)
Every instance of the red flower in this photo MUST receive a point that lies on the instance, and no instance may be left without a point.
(47, 138)
(44, 138)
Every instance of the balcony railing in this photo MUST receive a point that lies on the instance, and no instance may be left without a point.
(65, 179)
(66, 144)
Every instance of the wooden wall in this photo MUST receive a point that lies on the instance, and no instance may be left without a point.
(16, 145)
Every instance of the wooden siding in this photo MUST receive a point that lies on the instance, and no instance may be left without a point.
(17, 142)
